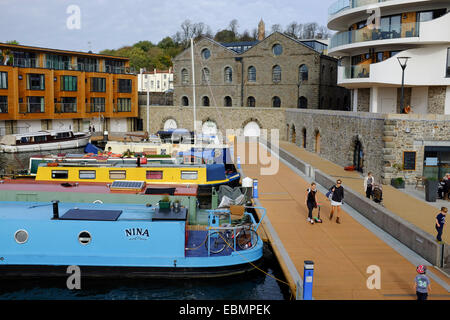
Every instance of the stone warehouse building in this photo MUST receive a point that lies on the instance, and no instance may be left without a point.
(277, 72)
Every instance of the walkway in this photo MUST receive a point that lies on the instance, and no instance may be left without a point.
(341, 253)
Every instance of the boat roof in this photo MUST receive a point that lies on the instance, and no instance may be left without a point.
(40, 133)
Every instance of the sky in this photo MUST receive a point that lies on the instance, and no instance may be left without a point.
(111, 24)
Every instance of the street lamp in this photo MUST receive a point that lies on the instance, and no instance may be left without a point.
(403, 62)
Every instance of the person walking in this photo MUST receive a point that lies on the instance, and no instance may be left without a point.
(369, 182)
(440, 222)
(337, 199)
(446, 180)
(311, 201)
(422, 283)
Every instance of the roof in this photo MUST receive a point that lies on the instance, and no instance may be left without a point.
(40, 49)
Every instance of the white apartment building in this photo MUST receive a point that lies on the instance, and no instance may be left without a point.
(371, 49)
(155, 81)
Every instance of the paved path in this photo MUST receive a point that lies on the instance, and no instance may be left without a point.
(416, 211)
(341, 253)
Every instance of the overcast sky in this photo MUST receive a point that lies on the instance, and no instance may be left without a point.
(111, 24)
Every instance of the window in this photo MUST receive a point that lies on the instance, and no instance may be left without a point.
(205, 101)
(409, 160)
(302, 103)
(24, 59)
(90, 64)
(3, 104)
(206, 54)
(123, 105)
(251, 102)
(205, 75)
(189, 175)
(448, 63)
(276, 102)
(69, 104)
(277, 49)
(117, 174)
(86, 174)
(184, 76)
(276, 74)
(68, 83)
(113, 66)
(97, 105)
(3, 80)
(251, 74)
(36, 82)
(35, 104)
(228, 75)
(303, 73)
(60, 174)
(227, 101)
(185, 101)
(125, 85)
(98, 84)
(57, 62)
(154, 175)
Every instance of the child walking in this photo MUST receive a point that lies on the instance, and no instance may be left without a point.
(422, 283)
(311, 201)
(440, 222)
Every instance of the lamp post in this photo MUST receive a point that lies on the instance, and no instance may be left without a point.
(403, 62)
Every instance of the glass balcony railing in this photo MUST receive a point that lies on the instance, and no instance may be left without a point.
(63, 107)
(405, 30)
(3, 107)
(357, 72)
(342, 5)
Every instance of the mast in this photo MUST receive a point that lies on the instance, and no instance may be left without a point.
(193, 90)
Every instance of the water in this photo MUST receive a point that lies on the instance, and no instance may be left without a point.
(254, 286)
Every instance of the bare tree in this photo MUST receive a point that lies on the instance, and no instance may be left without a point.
(294, 30)
(233, 26)
(276, 28)
(310, 30)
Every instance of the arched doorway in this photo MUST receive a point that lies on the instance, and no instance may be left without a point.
(170, 124)
(304, 137)
(358, 156)
(209, 128)
(252, 129)
(185, 101)
(227, 101)
(317, 145)
(205, 101)
(293, 134)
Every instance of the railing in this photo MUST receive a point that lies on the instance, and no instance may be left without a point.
(25, 108)
(25, 63)
(405, 30)
(4, 107)
(342, 5)
(63, 107)
(95, 107)
(357, 72)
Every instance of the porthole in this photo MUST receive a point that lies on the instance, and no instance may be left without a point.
(84, 238)
(21, 236)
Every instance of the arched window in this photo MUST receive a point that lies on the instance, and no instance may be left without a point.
(185, 101)
(302, 103)
(303, 73)
(251, 102)
(251, 74)
(276, 102)
(184, 76)
(228, 75)
(304, 138)
(205, 75)
(206, 53)
(277, 49)
(227, 101)
(276, 73)
(205, 101)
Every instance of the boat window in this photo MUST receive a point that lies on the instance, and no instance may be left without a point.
(117, 174)
(60, 174)
(86, 174)
(189, 175)
(40, 138)
(154, 175)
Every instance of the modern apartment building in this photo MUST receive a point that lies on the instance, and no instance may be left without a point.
(44, 88)
(372, 37)
(155, 81)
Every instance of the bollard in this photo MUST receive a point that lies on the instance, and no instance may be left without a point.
(308, 273)
(255, 188)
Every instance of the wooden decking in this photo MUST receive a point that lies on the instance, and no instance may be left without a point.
(341, 252)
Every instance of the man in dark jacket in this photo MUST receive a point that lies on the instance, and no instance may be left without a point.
(337, 199)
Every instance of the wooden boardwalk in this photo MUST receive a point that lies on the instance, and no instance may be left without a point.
(342, 253)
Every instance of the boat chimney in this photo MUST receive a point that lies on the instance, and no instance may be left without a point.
(138, 161)
(55, 210)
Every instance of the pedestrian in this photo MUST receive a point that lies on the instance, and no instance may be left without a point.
(440, 222)
(90, 128)
(93, 128)
(369, 182)
(422, 283)
(311, 201)
(337, 199)
(447, 187)
(441, 189)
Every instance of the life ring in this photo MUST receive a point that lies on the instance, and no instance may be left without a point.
(98, 201)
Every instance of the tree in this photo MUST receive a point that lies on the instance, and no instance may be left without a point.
(144, 45)
(246, 36)
(294, 30)
(225, 36)
(233, 26)
(310, 30)
(166, 43)
(276, 28)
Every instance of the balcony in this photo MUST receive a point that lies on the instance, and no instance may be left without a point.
(3, 107)
(62, 107)
(342, 5)
(31, 107)
(405, 30)
(361, 71)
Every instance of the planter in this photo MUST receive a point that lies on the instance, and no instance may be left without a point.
(164, 204)
(398, 184)
(431, 189)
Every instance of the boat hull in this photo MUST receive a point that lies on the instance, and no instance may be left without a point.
(69, 144)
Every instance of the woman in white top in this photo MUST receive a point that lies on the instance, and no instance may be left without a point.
(369, 181)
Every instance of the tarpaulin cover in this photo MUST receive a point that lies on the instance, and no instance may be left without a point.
(90, 148)
(94, 215)
(215, 172)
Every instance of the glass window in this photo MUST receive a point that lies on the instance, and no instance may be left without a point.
(98, 84)
(86, 174)
(276, 74)
(189, 175)
(277, 49)
(68, 83)
(251, 74)
(69, 104)
(3, 104)
(3, 80)
(89, 64)
(303, 73)
(123, 104)
(185, 101)
(205, 101)
(205, 75)
(35, 104)
(184, 76)
(57, 62)
(251, 102)
(97, 105)
(60, 174)
(117, 174)
(448, 63)
(125, 85)
(228, 75)
(228, 102)
(36, 82)
(206, 54)
(276, 102)
(154, 175)
(113, 66)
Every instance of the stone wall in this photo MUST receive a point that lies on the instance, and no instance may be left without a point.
(363, 100)
(436, 100)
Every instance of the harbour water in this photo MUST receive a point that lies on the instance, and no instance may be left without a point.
(258, 285)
